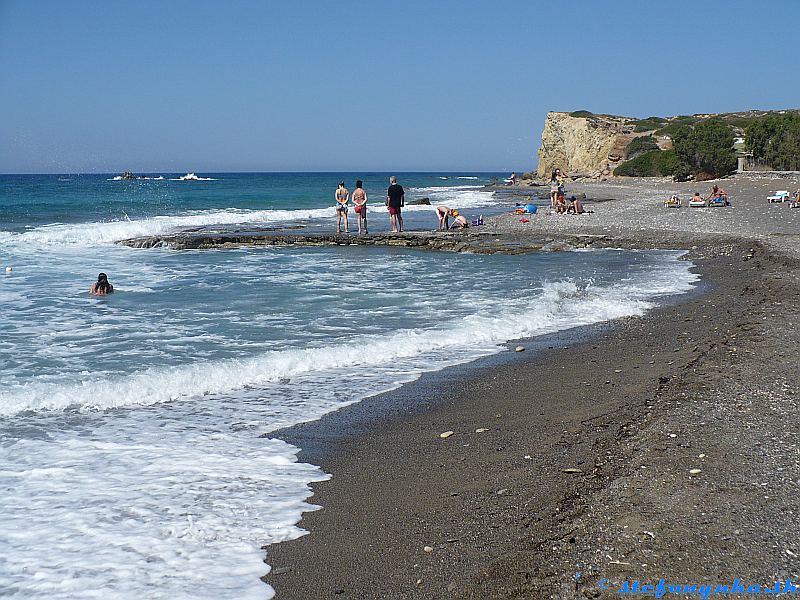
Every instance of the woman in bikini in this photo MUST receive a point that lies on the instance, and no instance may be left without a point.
(360, 203)
(342, 196)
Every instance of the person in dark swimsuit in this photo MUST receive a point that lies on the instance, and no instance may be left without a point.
(395, 200)
(101, 287)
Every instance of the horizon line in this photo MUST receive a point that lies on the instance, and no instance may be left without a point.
(261, 172)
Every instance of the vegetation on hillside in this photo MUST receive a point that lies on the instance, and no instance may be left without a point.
(649, 124)
(581, 113)
(775, 139)
(650, 164)
(706, 148)
(675, 124)
(640, 145)
(703, 151)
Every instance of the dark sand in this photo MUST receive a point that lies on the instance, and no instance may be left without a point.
(707, 384)
(630, 410)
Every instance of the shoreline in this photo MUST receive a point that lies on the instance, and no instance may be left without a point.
(660, 448)
(497, 521)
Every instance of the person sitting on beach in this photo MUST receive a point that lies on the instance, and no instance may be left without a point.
(360, 202)
(575, 206)
(459, 220)
(556, 187)
(341, 196)
(101, 287)
(561, 204)
(444, 213)
(718, 192)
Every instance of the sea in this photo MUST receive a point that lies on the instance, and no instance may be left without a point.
(137, 455)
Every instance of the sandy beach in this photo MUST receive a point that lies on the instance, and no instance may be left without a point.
(651, 448)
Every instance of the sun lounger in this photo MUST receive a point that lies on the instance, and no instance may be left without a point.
(697, 203)
(779, 196)
(718, 201)
(673, 202)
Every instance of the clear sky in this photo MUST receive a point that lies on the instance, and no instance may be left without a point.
(374, 85)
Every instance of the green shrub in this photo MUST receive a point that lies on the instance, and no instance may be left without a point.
(706, 148)
(640, 145)
(649, 124)
(676, 123)
(775, 139)
(581, 113)
(655, 163)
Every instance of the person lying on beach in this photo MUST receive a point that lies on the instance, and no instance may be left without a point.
(696, 198)
(341, 196)
(360, 202)
(575, 206)
(459, 220)
(101, 287)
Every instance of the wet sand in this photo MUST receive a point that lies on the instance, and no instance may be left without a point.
(590, 455)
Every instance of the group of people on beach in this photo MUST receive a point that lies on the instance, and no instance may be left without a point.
(558, 200)
(395, 201)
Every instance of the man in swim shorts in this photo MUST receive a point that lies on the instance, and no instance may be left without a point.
(341, 196)
(360, 202)
(443, 213)
(395, 200)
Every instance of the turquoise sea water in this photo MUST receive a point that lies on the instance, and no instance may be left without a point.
(135, 459)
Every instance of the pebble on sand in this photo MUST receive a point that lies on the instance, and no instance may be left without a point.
(481, 430)
(519, 349)
(695, 471)
(571, 470)
(428, 549)
(445, 434)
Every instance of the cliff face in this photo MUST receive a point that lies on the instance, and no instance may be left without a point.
(589, 146)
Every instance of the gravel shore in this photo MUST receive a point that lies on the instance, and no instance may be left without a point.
(661, 447)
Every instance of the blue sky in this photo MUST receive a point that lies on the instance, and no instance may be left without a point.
(301, 86)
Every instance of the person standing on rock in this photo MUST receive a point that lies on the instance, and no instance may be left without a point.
(556, 186)
(395, 200)
(360, 202)
(341, 196)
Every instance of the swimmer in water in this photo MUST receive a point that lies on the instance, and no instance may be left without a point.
(101, 287)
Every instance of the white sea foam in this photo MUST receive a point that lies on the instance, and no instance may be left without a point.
(173, 499)
(106, 232)
(544, 313)
(100, 233)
